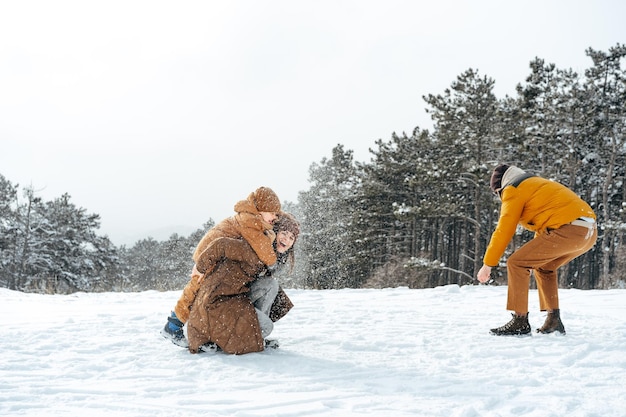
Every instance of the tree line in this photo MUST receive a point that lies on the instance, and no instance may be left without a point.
(54, 247)
(419, 213)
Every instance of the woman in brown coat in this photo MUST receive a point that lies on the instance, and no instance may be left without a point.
(253, 222)
(223, 312)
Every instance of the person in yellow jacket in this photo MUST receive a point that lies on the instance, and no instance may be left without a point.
(253, 222)
(565, 228)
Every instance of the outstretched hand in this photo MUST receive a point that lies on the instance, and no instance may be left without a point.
(484, 274)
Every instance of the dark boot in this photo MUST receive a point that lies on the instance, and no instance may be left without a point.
(553, 323)
(517, 326)
(271, 344)
(173, 330)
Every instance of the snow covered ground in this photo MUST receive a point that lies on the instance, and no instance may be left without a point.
(393, 352)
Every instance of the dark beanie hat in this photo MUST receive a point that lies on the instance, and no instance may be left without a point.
(264, 199)
(496, 177)
(286, 222)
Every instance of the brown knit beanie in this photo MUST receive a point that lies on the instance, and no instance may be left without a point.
(264, 199)
(286, 222)
(496, 177)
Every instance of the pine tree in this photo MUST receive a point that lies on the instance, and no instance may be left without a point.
(607, 88)
(465, 129)
(329, 210)
(8, 232)
(75, 256)
(398, 199)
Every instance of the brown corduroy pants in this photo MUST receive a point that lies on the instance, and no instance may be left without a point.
(544, 255)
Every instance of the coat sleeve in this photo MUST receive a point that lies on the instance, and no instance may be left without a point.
(237, 250)
(281, 305)
(262, 244)
(510, 213)
(258, 234)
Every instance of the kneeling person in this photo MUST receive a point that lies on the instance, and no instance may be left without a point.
(238, 299)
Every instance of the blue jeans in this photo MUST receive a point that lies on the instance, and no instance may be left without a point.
(262, 293)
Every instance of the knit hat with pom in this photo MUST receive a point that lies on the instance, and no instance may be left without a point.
(264, 199)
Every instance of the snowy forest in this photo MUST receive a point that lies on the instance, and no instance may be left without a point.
(419, 213)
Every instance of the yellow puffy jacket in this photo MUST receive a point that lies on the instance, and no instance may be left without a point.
(537, 204)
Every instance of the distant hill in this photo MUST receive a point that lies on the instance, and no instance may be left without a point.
(160, 234)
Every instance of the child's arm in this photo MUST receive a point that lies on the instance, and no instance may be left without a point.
(262, 244)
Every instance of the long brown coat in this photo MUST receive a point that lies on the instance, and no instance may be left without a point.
(222, 312)
(247, 224)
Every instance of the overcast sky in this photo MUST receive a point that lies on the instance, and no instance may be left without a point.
(163, 114)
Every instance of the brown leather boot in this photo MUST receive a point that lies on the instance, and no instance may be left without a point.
(553, 323)
(517, 326)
